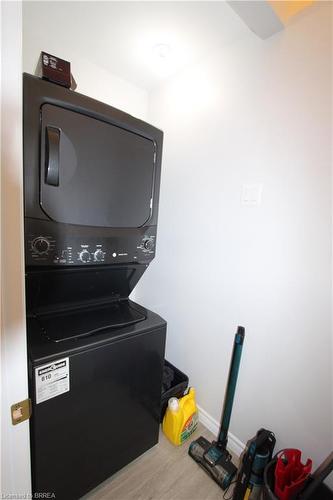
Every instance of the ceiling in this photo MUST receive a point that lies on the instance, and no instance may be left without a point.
(125, 37)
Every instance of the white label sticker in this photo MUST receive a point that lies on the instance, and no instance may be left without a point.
(52, 379)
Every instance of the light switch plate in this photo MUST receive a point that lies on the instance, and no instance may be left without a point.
(251, 194)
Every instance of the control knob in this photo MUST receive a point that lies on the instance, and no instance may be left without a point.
(148, 244)
(40, 245)
(99, 255)
(84, 256)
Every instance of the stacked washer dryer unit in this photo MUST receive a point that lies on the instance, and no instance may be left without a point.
(91, 184)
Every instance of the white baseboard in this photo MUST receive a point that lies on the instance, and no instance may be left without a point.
(234, 444)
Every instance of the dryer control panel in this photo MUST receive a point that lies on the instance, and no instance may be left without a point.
(47, 247)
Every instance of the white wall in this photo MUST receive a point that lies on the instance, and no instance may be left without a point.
(15, 455)
(92, 80)
(258, 111)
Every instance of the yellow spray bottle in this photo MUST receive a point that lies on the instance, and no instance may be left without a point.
(181, 418)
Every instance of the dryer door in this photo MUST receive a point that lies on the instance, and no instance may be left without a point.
(94, 173)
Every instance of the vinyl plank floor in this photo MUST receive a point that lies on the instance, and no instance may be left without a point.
(165, 472)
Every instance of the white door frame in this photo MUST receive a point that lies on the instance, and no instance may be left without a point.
(15, 447)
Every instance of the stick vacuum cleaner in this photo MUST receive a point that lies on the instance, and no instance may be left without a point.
(214, 457)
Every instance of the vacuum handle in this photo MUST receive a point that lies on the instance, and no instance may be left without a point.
(231, 386)
(318, 477)
(240, 335)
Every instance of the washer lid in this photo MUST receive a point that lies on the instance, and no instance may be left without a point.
(80, 322)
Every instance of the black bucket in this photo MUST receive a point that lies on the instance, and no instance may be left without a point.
(269, 480)
(174, 385)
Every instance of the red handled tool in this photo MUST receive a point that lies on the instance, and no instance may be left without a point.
(290, 474)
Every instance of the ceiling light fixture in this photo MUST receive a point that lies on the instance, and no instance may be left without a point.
(162, 51)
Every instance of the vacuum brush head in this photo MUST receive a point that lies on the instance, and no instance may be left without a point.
(214, 460)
